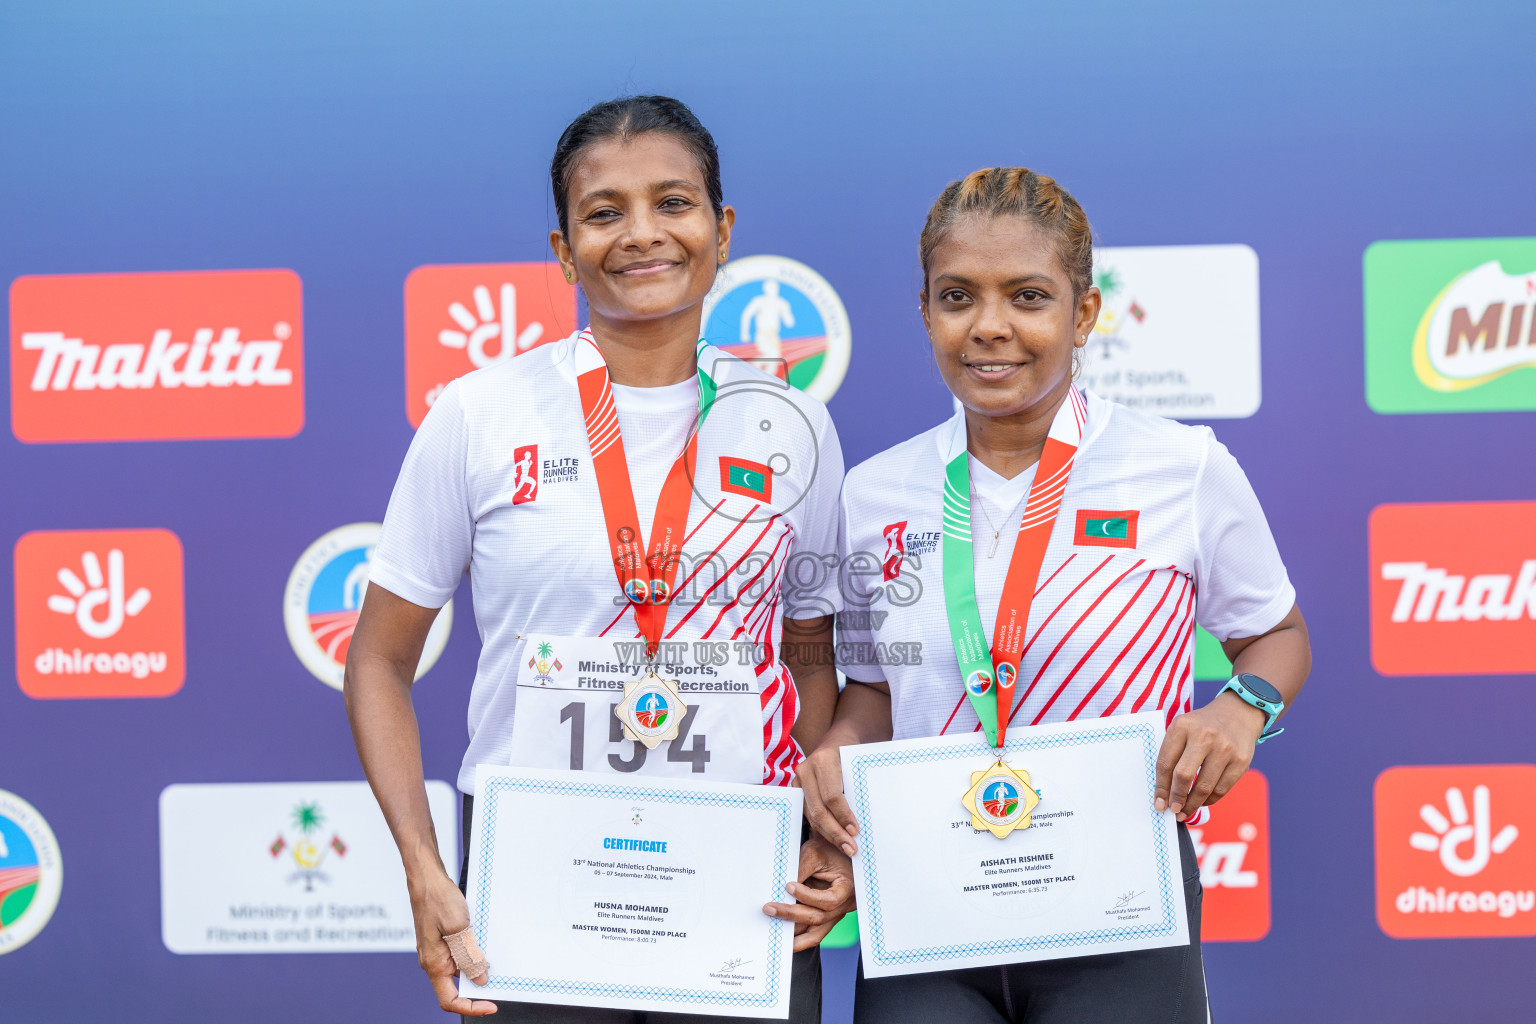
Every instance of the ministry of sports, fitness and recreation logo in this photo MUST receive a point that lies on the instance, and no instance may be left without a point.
(164, 356)
(1455, 856)
(325, 595)
(1450, 325)
(784, 317)
(31, 872)
(1453, 588)
(99, 613)
(304, 846)
(463, 317)
(1178, 331)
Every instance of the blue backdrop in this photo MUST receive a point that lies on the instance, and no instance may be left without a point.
(355, 142)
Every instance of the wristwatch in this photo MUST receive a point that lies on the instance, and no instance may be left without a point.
(1262, 694)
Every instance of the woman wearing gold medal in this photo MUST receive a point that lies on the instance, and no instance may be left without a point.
(1107, 533)
(629, 483)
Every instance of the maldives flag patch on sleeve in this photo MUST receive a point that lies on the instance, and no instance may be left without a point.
(746, 478)
(1105, 529)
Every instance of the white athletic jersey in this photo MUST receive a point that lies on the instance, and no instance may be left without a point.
(1111, 626)
(498, 482)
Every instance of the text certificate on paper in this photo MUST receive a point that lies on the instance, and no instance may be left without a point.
(585, 890)
(1097, 870)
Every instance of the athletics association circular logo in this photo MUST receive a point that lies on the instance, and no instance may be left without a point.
(783, 316)
(31, 872)
(978, 683)
(1007, 675)
(324, 596)
(1000, 803)
(652, 711)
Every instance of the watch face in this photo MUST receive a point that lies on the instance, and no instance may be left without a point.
(1261, 687)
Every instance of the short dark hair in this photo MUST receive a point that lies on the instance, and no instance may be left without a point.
(624, 119)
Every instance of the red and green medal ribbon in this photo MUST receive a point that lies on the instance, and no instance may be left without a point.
(991, 672)
(646, 571)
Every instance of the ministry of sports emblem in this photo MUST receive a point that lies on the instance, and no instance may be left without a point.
(784, 317)
(324, 598)
(307, 853)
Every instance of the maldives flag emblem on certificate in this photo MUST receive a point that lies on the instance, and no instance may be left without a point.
(746, 478)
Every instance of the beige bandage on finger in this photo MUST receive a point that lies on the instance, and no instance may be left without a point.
(466, 954)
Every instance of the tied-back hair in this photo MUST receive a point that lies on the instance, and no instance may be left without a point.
(624, 119)
(1016, 192)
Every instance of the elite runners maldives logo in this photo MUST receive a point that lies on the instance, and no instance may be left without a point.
(1450, 326)
(142, 357)
(462, 317)
(1233, 847)
(525, 474)
(99, 613)
(324, 597)
(1456, 851)
(784, 317)
(31, 872)
(895, 550)
(1453, 588)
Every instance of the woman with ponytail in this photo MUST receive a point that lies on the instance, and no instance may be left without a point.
(1138, 529)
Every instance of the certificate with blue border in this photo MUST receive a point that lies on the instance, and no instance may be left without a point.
(1097, 871)
(586, 890)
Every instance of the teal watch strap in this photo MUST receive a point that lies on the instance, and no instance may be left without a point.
(1261, 694)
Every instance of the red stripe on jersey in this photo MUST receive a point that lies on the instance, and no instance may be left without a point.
(616, 618)
(961, 702)
(748, 585)
(701, 522)
(1189, 611)
(1151, 650)
(1089, 653)
(681, 587)
(1040, 673)
(725, 575)
(1172, 578)
(1178, 659)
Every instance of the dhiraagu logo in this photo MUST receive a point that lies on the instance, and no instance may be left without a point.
(1450, 326)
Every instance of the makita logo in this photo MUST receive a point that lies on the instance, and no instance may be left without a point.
(69, 363)
(134, 357)
(1453, 588)
(1429, 593)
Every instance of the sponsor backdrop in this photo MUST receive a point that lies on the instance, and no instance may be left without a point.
(246, 245)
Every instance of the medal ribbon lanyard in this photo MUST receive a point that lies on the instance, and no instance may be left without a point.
(646, 573)
(983, 671)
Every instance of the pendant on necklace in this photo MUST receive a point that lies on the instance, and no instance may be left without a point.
(993, 549)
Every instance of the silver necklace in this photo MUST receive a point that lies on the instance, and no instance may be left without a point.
(980, 500)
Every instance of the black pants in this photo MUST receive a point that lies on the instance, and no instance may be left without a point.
(1166, 986)
(804, 987)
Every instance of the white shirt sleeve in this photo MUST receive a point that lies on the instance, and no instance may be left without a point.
(424, 548)
(811, 589)
(1242, 584)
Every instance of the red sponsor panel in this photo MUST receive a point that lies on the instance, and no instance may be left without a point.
(99, 613)
(462, 317)
(165, 356)
(1456, 851)
(1453, 588)
(1233, 848)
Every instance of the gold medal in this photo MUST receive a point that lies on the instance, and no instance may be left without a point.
(652, 709)
(1000, 799)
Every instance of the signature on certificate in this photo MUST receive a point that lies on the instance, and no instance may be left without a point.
(731, 965)
(1126, 898)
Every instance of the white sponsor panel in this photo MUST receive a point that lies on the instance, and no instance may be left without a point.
(287, 867)
(1178, 334)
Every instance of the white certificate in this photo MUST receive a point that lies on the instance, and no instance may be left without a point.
(1097, 871)
(586, 890)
